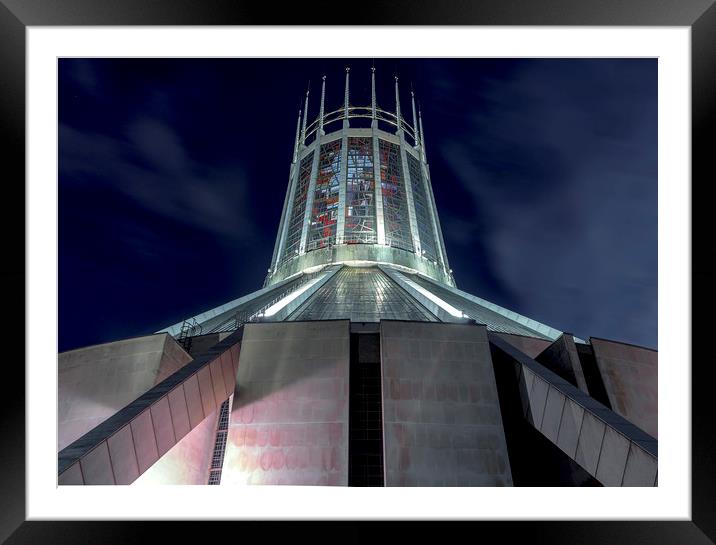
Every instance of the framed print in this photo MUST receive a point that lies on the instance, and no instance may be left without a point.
(360, 209)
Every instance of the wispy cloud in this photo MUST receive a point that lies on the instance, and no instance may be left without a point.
(569, 193)
(151, 166)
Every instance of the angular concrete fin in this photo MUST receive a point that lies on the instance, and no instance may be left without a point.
(148, 427)
(611, 449)
(561, 357)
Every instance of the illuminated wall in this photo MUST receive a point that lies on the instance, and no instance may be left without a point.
(97, 381)
(289, 419)
(187, 462)
(442, 422)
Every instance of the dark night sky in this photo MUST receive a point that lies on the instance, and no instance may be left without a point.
(172, 175)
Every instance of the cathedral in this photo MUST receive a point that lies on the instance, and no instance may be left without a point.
(360, 361)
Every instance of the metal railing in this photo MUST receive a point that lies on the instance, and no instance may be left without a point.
(364, 112)
(189, 328)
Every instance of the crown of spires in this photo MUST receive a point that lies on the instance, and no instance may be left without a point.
(400, 121)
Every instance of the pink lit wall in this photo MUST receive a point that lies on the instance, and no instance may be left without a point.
(289, 420)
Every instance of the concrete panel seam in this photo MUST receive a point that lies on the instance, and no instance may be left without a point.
(134, 445)
(186, 405)
(171, 418)
(109, 454)
(579, 432)
(601, 447)
(217, 362)
(544, 408)
(201, 398)
(82, 473)
(626, 459)
(561, 417)
(154, 433)
(631, 445)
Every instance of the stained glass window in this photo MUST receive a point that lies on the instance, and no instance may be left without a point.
(325, 198)
(360, 193)
(395, 205)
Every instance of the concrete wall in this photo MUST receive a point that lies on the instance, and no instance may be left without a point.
(531, 346)
(442, 422)
(289, 419)
(562, 358)
(605, 444)
(188, 461)
(202, 343)
(97, 381)
(630, 375)
(128, 443)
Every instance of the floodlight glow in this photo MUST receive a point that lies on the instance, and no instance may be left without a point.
(273, 309)
(435, 299)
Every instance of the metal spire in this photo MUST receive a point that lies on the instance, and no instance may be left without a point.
(345, 104)
(422, 132)
(305, 117)
(397, 105)
(298, 128)
(415, 125)
(372, 88)
(323, 99)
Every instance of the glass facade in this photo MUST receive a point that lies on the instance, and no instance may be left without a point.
(361, 294)
(358, 198)
(298, 209)
(422, 210)
(324, 214)
(395, 204)
(360, 193)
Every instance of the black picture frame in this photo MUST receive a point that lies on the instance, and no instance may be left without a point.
(16, 15)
